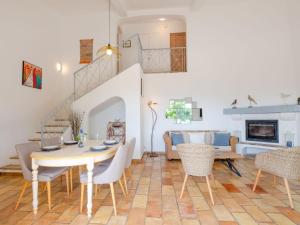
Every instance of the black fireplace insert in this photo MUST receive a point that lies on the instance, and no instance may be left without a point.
(262, 130)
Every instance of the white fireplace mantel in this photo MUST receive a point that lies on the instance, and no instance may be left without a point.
(263, 109)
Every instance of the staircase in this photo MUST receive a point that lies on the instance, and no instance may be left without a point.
(86, 79)
(55, 128)
(57, 123)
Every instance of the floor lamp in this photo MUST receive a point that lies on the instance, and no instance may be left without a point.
(154, 120)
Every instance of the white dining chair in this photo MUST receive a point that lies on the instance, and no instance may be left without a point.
(45, 174)
(129, 161)
(107, 174)
(57, 141)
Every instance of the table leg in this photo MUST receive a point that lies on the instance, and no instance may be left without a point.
(90, 167)
(230, 165)
(35, 187)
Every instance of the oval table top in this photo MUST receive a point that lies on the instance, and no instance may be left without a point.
(75, 152)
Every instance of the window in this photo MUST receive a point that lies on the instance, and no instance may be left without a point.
(182, 111)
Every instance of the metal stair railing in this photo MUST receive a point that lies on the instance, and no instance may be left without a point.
(94, 74)
(60, 112)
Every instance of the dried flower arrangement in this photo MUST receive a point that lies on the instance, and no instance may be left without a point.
(75, 119)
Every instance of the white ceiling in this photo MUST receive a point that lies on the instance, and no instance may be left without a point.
(155, 4)
(121, 6)
(150, 19)
(77, 6)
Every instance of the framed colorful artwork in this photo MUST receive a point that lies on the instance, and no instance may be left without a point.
(31, 75)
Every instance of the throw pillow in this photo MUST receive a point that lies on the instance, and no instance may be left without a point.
(186, 137)
(221, 139)
(177, 138)
(208, 138)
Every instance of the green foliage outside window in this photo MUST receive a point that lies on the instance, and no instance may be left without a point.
(180, 111)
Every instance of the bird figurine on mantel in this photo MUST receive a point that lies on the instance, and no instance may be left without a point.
(234, 103)
(251, 100)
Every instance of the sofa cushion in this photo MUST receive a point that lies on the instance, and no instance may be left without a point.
(197, 137)
(186, 137)
(209, 137)
(221, 139)
(177, 138)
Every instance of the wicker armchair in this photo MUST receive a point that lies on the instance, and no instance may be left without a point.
(282, 163)
(197, 160)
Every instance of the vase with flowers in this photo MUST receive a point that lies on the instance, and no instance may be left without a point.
(75, 119)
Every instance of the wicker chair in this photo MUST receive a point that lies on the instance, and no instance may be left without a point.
(197, 160)
(282, 163)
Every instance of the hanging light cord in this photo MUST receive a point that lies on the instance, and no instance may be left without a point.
(109, 21)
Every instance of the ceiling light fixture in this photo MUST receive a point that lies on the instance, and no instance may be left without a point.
(162, 19)
(109, 49)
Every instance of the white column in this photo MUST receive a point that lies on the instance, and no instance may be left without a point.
(35, 187)
(90, 167)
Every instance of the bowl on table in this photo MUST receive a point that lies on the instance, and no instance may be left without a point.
(98, 148)
(50, 148)
(71, 142)
(110, 142)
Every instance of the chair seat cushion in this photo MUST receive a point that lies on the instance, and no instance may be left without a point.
(46, 174)
(96, 171)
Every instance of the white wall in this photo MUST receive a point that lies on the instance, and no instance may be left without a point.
(28, 32)
(154, 34)
(294, 18)
(112, 110)
(84, 25)
(235, 48)
(126, 86)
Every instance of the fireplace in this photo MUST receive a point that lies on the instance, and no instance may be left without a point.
(262, 130)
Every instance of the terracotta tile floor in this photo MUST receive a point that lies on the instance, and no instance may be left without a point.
(154, 199)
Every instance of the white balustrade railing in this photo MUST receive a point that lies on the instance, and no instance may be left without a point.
(156, 60)
(164, 60)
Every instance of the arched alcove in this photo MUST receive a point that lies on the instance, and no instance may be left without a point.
(111, 110)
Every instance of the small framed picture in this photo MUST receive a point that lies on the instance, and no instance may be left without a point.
(31, 75)
(127, 44)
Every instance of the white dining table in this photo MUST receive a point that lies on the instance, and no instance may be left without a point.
(69, 156)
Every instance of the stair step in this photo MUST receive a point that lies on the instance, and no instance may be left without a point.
(50, 132)
(34, 139)
(11, 168)
(37, 136)
(57, 125)
(53, 129)
(14, 157)
(61, 119)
